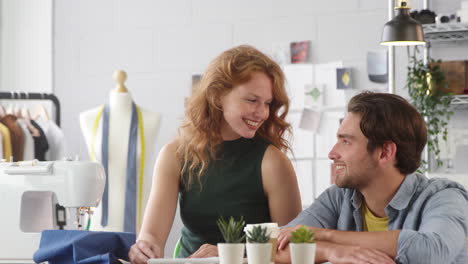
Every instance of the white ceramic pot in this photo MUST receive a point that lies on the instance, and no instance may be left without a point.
(259, 253)
(230, 253)
(302, 253)
(273, 230)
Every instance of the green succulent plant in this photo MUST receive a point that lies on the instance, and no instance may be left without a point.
(302, 235)
(258, 234)
(231, 230)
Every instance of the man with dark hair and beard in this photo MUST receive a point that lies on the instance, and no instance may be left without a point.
(380, 210)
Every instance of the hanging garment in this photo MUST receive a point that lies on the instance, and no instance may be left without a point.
(133, 194)
(55, 138)
(40, 143)
(1, 146)
(6, 142)
(17, 137)
(28, 153)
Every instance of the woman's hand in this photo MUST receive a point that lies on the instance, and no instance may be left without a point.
(205, 251)
(142, 250)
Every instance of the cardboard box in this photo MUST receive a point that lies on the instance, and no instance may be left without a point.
(456, 75)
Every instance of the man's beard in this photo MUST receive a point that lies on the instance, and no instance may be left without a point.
(357, 179)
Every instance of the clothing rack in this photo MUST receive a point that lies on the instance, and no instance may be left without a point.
(34, 96)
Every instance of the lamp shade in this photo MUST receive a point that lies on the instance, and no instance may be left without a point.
(402, 30)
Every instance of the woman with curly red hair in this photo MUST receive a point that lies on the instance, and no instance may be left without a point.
(228, 159)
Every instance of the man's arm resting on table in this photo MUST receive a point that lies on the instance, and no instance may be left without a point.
(440, 237)
(326, 251)
(385, 241)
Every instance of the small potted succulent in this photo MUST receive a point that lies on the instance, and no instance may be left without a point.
(302, 246)
(258, 246)
(231, 252)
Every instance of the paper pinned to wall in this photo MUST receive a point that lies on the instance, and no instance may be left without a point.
(325, 74)
(310, 120)
(297, 77)
(314, 96)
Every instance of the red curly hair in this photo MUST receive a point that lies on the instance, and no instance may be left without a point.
(200, 133)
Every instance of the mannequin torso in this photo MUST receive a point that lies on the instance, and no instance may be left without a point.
(120, 112)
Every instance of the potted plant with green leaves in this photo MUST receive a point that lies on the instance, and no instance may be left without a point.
(302, 246)
(426, 85)
(258, 246)
(231, 252)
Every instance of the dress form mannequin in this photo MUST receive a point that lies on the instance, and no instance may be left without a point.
(120, 112)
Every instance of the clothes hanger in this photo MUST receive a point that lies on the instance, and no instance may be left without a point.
(41, 111)
(9, 109)
(27, 118)
(17, 110)
(25, 110)
(2, 111)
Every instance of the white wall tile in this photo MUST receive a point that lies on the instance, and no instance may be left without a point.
(208, 41)
(349, 36)
(95, 15)
(227, 11)
(147, 13)
(190, 48)
(293, 8)
(98, 52)
(135, 50)
(372, 4)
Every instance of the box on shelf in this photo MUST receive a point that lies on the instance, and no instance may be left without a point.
(456, 75)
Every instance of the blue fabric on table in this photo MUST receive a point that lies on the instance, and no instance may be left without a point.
(83, 247)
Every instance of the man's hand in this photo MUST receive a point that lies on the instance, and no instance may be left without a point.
(341, 254)
(205, 251)
(143, 250)
(285, 236)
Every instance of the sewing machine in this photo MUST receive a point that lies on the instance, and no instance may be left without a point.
(42, 195)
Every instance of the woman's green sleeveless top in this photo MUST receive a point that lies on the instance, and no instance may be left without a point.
(231, 186)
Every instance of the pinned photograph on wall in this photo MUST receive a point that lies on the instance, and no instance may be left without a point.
(377, 69)
(297, 76)
(343, 78)
(299, 51)
(195, 80)
(281, 53)
(314, 96)
(310, 120)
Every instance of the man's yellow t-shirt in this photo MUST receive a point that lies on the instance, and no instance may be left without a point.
(370, 222)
